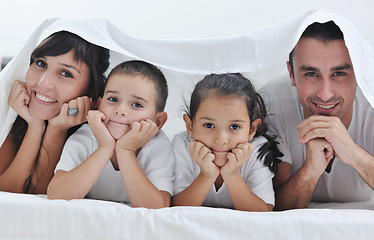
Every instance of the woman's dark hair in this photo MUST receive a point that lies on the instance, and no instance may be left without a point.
(235, 84)
(97, 60)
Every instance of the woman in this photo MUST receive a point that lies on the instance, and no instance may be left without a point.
(65, 76)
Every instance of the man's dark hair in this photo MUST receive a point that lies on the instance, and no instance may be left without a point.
(325, 32)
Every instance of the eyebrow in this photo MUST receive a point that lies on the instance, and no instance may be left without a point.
(337, 68)
(232, 121)
(69, 66)
(136, 97)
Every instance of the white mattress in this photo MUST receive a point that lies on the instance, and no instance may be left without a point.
(24, 216)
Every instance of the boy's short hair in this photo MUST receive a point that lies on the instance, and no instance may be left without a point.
(152, 73)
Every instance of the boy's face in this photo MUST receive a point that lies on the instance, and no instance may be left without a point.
(127, 98)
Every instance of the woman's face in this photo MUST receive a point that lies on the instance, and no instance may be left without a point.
(53, 81)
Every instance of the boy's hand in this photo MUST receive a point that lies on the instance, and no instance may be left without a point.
(63, 121)
(140, 133)
(236, 158)
(19, 100)
(96, 121)
(204, 157)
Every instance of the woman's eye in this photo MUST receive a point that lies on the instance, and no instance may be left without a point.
(234, 127)
(137, 105)
(112, 99)
(67, 74)
(208, 125)
(41, 63)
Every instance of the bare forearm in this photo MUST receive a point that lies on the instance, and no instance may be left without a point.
(50, 153)
(364, 165)
(140, 190)
(296, 192)
(195, 194)
(14, 177)
(79, 181)
(242, 196)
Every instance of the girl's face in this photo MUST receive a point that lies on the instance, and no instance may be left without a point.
(127, 98)
(220, 123)
(53, 81)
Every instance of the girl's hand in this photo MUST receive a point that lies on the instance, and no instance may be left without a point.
(19, 100)
(236, 158)
(100, 131)
(140, 133)
(204, 157)
(63, 121)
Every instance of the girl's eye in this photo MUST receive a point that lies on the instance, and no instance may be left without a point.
(41, 63)
(137, 105)
(112, 99)
(67, 74)
(208, 125)
(234, 127)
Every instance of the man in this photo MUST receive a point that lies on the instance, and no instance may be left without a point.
(324, 124)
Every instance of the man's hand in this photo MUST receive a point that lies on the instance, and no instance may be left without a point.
(319, 152)
(333, 131)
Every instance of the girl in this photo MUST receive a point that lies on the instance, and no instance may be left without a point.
(225, 159)
(51, 104)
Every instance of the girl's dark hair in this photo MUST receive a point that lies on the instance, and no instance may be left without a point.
(97, 60)
(235, 84)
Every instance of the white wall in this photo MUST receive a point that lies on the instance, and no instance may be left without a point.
(172, 18)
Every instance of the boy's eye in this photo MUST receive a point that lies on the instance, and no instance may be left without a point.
(234, 127)
(208, 125)
(41, 63)
(67, 74)
(112, 99)
(137, 105)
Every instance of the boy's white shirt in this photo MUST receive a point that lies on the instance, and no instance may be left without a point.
(156, 158)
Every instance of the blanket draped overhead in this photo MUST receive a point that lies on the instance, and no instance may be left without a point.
(260, 55)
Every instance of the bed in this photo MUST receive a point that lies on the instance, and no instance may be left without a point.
(259, 56)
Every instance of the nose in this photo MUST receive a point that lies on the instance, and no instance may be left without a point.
(47, 80)
(325, 91)
(221, 138)
(121, 110)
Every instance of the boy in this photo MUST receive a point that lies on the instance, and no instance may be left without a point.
(125, 156)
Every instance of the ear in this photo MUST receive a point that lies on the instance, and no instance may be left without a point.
(188, 123)
(255, 124)
(161, 118)
(98, 103)
(292, 76)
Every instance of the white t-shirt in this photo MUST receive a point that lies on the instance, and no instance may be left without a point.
(156, 158)
(343, 183)
(257, 176)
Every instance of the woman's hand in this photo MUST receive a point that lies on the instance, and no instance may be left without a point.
(63, 121)
(19, 100)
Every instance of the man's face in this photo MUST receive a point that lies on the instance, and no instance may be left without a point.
(324, 78)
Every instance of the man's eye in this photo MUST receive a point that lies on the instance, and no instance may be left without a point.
(310, 74)
(339, 74)
(208, 125)
(41, 63)
(112, 99)
(67, 74)
(234, 127)
(137, 105)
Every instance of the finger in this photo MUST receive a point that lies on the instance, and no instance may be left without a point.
(64, 109)
(306, 128)
(316, 133)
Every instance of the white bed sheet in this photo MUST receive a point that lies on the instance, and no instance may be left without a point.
(25, 216)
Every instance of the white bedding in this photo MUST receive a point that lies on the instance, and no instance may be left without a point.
(260, 55)
(34, 217)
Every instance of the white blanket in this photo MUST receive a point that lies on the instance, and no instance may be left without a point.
(259, 55)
